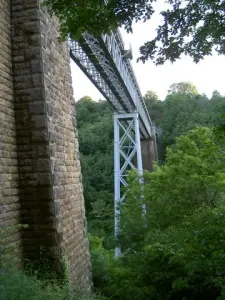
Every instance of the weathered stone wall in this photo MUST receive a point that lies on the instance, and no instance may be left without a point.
(32, 132)
(64, 152)
(9, 200)
(38, 114)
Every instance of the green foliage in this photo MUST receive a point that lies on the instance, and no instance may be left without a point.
(102, 261)
(193, 175)
(182, 262)
(182, 110)
(95, 17)
(176, 249)
(16, 285)
(8, 250)
(161, 249)
(193, 28)
(184, 88)
(154, 106)
(36, 281)
(181, 114)
(94, 121)
(43, 270)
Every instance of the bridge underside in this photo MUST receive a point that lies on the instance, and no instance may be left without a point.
(103, 61)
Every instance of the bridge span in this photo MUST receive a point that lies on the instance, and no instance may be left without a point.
(106, 62)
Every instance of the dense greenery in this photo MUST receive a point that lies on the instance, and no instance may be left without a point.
(34, 282)
(96, 17)
(95, 127)
(193, 28)
(183, 109)
(176, 251)
(16, 285)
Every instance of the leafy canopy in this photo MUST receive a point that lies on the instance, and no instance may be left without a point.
(192, 27)
(192, 176)
(95, 17)
(176, 251)
(183, 109)
(184, 88)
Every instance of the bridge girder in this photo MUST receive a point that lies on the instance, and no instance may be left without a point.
(103, 62)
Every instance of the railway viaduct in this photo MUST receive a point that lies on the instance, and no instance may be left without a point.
(40, 175)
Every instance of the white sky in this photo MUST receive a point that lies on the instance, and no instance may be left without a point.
(207, 75)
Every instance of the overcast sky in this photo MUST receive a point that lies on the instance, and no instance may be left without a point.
(207, 76)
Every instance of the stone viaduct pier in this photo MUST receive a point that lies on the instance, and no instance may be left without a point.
(40, 176)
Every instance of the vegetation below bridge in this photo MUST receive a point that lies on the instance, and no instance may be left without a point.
(177, 250)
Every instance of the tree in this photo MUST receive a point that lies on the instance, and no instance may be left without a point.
(192, 176)
(182, 111)
(184, 88)
(95, 134)
(86, 98)
(176, 250)
(151, 95)
(154, 106)
(216, 94)
(95, 17)
(185, 261)
(193, 28)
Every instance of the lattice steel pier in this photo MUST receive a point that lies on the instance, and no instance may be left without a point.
(127, 156)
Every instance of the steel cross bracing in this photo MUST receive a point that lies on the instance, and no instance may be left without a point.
(105, 64)
(127, 156)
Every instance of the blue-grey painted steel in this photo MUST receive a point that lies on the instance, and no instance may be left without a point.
(127, 156)
(106, 64)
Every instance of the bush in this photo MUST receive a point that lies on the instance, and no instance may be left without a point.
(36, 283)
(176, 250)
(16, 285)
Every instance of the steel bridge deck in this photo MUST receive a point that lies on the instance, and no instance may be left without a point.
(103, 61)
